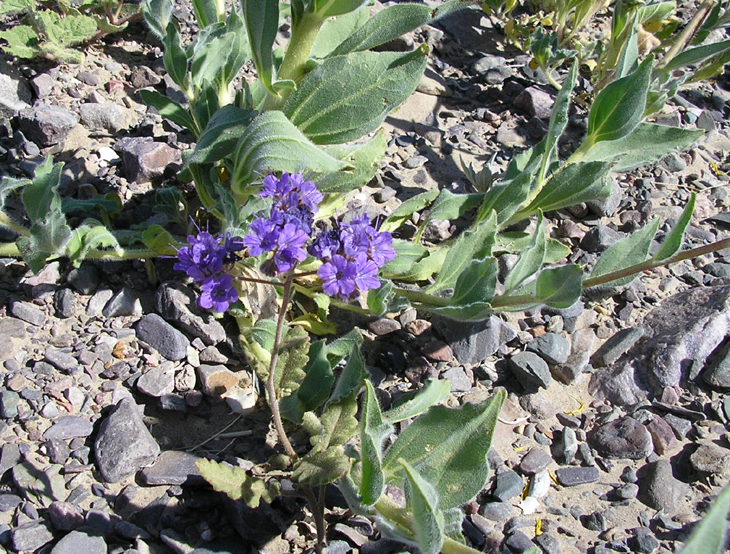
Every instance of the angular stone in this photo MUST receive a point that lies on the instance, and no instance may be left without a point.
(123, 303)
(659, 489)
(81, 541)
(28, 313)
(507, 485)
(15, 94)
(710, 458)
(144, 159)
(60, 359)
(30, 536)
(163, 337)
(124, 445)
(84, 279)
(566, 446)
(496, 511)
(535, 461)
(47, 125)
(9, 457)
(104, 117)
(473, 342)
(176, 303)
(65, 516)
(173, 468)
(662, 435)
(531, 370)
(535, 102)
(457, 378)
(616, 346)
(68, 427)
(216, 380)
(687, 326)
(623, 438)
(158, 381)
(9, 401)
(600, 238)
(551, 347)
(64, 300)
(572, 476)
(717, 372)
(98, 301)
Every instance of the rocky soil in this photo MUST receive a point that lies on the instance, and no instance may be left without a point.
(615, 434)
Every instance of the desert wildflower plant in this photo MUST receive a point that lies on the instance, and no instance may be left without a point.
(272, 163)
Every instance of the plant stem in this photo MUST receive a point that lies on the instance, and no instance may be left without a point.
(318, 515)
(9, 250)
(297, 53)
(423, 298)
(343, 305)
(686, 35)
(653, 264)
(270, 388)
(7, 221)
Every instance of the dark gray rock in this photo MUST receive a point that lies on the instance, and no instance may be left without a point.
(606, 207)
(535, 102)
(158, 381)
(496, 511)
(163, 337)
(531, 371)
(65, 516)
(615, 347)
(600, 238)
(457, 378)
(84, 279)
(31, 536)
(687, 326)
(507, 485)
(177, 304)
(28, 313)
(473, 342)
(173, 468)
(81, 541)
(535, 461)
(623, 438)
(123, 303)
(9, 457)
(64, 300)
(539, 405)
(659, 489)
(15, 94)
(144, 159)
(643, 541)
(103, 117)
(566, 446)
(47, 125)
(717, 372)
(572, 476)
(518, 542)
(551, 347)
(98, 301)
(711, 458)
(9, 401)
(11, 328)
(494, 69)
(60, 359)
(68, 427)
(9, 501)
(124, 445)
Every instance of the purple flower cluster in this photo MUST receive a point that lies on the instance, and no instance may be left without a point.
(204, 259)
(351, 253)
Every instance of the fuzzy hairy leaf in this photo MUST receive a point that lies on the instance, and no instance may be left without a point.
(157, 238)
(673, 241)
(412, 404)
(346, 97)
(40, 197)
(559, 287)
(8, 185)
(341, 347)
(373, 431)
(352, 377)
(257, 343)
(450, 206)
(221, 135)
(108, 204)
(16, 6)
(262, 23)
(453, 520)
(648, 143)
(320, 468)
(315, 388)
(474, 244)
(709, 535)
(558, 119)
(530, 261)
(157, 15)
(168, 108)
(407, 209)
(272, 143)
(407, 254)
(22, 41)
(48, 239)
(235, 482)
(448, 447)
(697, 55)
(335, 30)
(332, 8)
(293, 349)
(363, 157)
(627, 252)
(423, 502)
(619, 107)
(66, 31)
(90, 235)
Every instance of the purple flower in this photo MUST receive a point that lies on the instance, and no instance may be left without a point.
(218, 293)
(367, 273)
(202, 258)
(231, 245)
(263, 238)
(325, 245)
(338, 277)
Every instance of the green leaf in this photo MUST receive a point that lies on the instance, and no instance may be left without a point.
(364, 157)
(571, 185)
(556, 251)
(22, 41)
(210, 58)
(41, 195)
(352, 377)
(648, 143)
(66, 31)
(337, 29)
(170, 202)
(414, 403)
(530, 261)
(108, 204)
(448, 447)
(476, 283)
(315, 388)
(205, 12)
(90, 235)
(505, 198)
(157, 14)
(619, 107)
(697, 55)
(8, 185)
(157, 238)
(332, 8)
(346, 97)
(169, 109)
(627, 252)
(289, 372)
(262, 24)
(373, 432)
(407, 256)
(235, 482)
(558, 119)
(319, 468)
(48, 239)
(221, 135)
(257, 343)
(475, 311)
(404, 212)
(175, 58)
(386, 25)
(423, 502)
(16, 6)
(629, 58)
(559, 287)
(453, 520)
(709, 535)
(673, 241)
(450, 206)
(474, 244)
(341, 347)
(272, 143)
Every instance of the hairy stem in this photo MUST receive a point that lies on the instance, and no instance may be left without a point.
(270, 388)
(343, 305)
(318, 514)
(686, 35)
(9, 250)
(7, 221)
